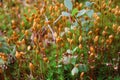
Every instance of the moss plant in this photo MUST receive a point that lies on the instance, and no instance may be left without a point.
(59, 40)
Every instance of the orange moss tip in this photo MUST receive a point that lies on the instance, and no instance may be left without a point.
(102, 41)
(55, 34)
(56, 8)
(92, 49)
(76, 65)
(31, 66)
(35, 39)
(29, 47)
(104, 33)
(42, 11)
(90, 32)
(97, 30)
(109, 41)
(103, 6)
(111, 36)
(47, 22)
(17, 55)
(45, 59)
(37, 51)
(69, 40)
(13, 22)
(92, 67)
(26, 33)
(96, 39)
(61, 5)
(23, 41)
(82, 75)
(106, 27)
(50, 8)
(80, 5)
(42, 49)
(95, 15)
(114, 27)
(3, 56)
(58, 39)
(92, 55)
(80, 46)
(80, 38)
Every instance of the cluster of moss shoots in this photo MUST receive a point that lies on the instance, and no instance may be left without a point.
(45, 42)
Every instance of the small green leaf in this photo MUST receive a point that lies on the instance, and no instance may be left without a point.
(82, 12)
(90, 13)
(74, 71)
(1, 61)
(2, 39)
(68, 4)
(73, 61)
(74, 11)
(74, 49)
(88, 4)
(83, 68)
(65, 14)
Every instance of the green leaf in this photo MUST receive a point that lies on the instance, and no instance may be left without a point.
(88, 4)
(74, 49)
(65, 14)
(83, 68)
(74, 71)
(1, 61)
(90, 13)
(82, 12)
(3, 27)
(68, 23)
(2, 39)
(68, 4)
(74, 11)
(73, 61)
(4, 49)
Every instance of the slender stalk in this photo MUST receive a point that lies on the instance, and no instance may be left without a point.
(57, 19)
(50, 28)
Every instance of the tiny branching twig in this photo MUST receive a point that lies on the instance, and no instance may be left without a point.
(50, 28)
(57, 19)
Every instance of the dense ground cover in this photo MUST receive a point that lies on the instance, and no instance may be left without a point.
(60, 40)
